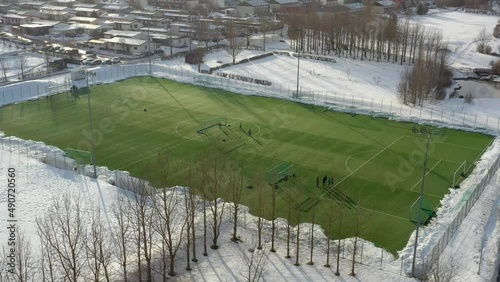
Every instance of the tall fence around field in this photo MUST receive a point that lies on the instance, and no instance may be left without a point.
(334, 100)
(464, 206)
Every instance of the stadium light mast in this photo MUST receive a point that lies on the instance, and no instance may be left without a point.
(91, 73)
(149, 47)
(428, 133)
(298, 73)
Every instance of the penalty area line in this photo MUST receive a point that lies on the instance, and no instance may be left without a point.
(420, 180)
(365, 163)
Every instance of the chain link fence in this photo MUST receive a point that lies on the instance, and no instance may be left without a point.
(424, 262)
(334, 100)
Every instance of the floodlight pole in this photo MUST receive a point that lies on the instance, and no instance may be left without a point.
(298, 73)
(420, 207)
(91, 73)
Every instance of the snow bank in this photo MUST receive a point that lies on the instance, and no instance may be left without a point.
(434, 237)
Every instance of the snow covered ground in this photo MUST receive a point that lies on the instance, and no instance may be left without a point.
(460, 29)
(369, 86)
(38, 184)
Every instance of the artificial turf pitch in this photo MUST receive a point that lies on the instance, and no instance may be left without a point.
(376, 163)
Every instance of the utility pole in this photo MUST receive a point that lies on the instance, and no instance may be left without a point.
(91, 73)
(298, 74)
(149, 47)
(428, 133)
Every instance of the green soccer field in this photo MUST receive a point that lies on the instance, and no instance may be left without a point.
(376, 163)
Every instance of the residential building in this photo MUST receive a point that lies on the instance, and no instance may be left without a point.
(55, 13)
(135, 46)
(125, 34)
(147, 14)
(88, 12)
(14, 19)
(277, 4)
(253, 7)
(84, 20)
(384, 7)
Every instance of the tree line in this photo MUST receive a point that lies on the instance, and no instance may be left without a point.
(367, 37)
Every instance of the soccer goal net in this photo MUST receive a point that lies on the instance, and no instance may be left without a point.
(426, 212)
(81, 157)
(459, 173)
(217, 121)
(279, 172)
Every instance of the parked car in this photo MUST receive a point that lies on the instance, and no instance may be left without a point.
(88, 61)
(93, 56)
(139, 55)
(97, 62)
(107, 62)
(159, 51)
(89, 52)
(116, 60)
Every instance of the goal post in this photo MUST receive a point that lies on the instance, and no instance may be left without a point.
(426, 213)
(458, 173)
(81, 157)
(279, 172)
(220, 120)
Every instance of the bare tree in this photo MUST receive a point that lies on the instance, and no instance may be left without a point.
(166, 207)
(236, 186)
(483, 39)
(47, 258)
(339, 236)
(445, 269)
(122, 233)
(273, 217)
(170, 224)
(297, 245)
(259, 216)
(62, 230)
(231, 35)
(24, 266)
(329, 232)
(142, 225)
(23, 65)
(99, 252)
(311, 240)
(288, 219)
(254, 264)
(359, 228)
(214, 175)
(4, 67)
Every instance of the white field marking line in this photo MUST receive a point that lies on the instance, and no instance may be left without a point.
(381, 151)
(446, 143)
(430, 195)
(177, 130)
(453, 162)
(359, 153)
(429, 171)
(388, 214)
(187, 140)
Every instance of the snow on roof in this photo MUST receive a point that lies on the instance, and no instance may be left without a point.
(127, 41)
(82, 9)
(87, 26)
(115, 7)
(14, 16)
(123, 33)
(53, 8)
(286, 1)
(46, 22)
(154, 29)
(82, 19)
(256, 3)
(354, 6)
(385, 3)
(33, 25)
(85, 5)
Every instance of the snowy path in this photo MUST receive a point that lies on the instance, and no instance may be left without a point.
(482, 225)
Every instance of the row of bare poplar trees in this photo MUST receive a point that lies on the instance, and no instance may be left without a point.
(140, 238)
(367, 37)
